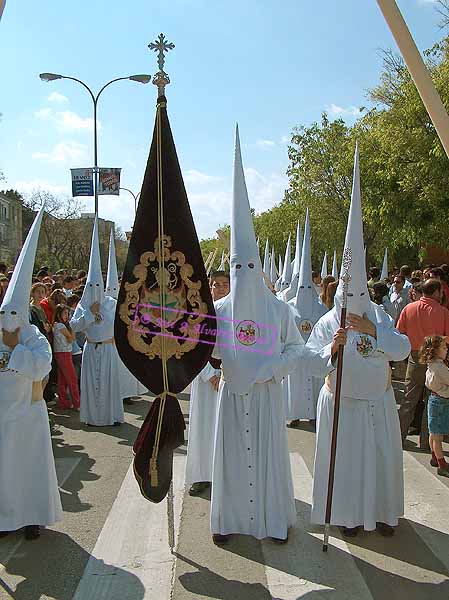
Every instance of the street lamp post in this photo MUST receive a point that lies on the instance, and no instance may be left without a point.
(138, 78)
(135, 196)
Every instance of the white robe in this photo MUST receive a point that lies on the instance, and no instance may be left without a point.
(202, 421)
(101, 388)
(252, 490)
(130, 385)
(29, 493)
(369, 485)
(301, 389)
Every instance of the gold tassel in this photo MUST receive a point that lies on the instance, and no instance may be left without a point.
(153, 473)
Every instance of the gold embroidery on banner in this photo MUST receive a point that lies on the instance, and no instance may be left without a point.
(145, 325)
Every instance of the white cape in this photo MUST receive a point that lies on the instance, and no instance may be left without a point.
(29, 493)
(101, 388)
(252, 490)
(368, 484)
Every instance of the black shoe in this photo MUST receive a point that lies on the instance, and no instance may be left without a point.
(279, 540)
(350, 532)
(32, 532)
(198, 488)
(294, 424)
(4, 533)
(433, 462)
(443, 472)
(117, 424)
(220, 540)
(385, 530)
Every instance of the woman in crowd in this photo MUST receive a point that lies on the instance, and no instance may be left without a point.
(37, 313)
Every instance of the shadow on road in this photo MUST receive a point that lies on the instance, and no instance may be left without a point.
(207, 583)
(52, 567)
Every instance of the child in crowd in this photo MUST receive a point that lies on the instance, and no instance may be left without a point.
(63, 338)
(433, 353)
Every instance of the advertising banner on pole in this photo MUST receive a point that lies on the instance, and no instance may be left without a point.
(82, 182)
(109, 182)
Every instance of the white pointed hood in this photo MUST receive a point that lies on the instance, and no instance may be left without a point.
(266, 260)
(94, 290)
(335, 266)
(273, 272)
(277, 285)
(384, 273)
(324, 266)
(15, 308)
(286, 276)
(358, 296)
(222, 264)
(112, 286)
(306, 301)
(290, 292)
(249, 300)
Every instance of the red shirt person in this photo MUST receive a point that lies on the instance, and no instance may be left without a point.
(420, 319)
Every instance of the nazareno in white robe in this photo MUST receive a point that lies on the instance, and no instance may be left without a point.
(369, 486)
(29, 493)
(101, 389)
(252, 489)
(202, 422)
(301, 389)
(130, 385)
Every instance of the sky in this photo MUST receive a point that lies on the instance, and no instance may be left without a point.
(269, 65)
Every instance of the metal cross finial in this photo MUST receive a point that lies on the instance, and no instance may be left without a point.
(161, 46)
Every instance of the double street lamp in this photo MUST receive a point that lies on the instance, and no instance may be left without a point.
(135, 196)
(138, 78)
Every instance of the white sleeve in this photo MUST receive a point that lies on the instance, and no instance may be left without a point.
(390, 341)
(32, 359)
(208, 372)
(82, 321)
(292, 351)
(320, 348)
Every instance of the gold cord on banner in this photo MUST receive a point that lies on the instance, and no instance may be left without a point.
(162, 283)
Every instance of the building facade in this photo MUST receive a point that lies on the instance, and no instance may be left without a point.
(10, 228)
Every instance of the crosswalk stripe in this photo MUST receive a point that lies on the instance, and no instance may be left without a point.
(300, 567)
(131, 558)
(427, 507)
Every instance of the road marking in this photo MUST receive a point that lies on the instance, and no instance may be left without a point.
(300, 567)
(131, 558)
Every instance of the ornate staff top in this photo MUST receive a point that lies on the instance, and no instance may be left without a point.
(346, 277)
(161, 78)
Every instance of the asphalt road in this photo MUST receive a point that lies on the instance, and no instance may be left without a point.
(113, 545)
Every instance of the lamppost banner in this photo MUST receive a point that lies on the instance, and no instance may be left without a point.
(82, 182)
(109, 182)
